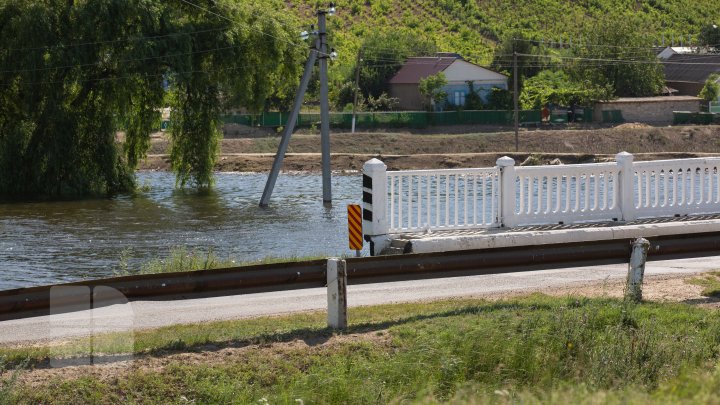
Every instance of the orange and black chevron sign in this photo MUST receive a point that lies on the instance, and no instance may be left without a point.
(355, 227)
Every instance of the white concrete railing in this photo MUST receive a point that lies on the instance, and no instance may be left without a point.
(508, 196)
(677, 187)
(566, 194)
(442, 199)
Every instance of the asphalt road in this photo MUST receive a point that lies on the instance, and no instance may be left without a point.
(151, 314)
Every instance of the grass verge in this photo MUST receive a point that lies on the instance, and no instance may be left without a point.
(710, 282)
(533, 349)
(180, 259)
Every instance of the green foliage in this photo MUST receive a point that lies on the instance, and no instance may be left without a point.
(382, 103)
(431, 88)
(624, 59)
(73, 73)
(473, 101)
(710, 36)
(533, 349)
(711, 90)
(528, 66)
(556, 87)
(500, 99)
(710, 282)
(383, 53)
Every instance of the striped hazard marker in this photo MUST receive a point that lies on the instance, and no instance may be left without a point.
(355, 227)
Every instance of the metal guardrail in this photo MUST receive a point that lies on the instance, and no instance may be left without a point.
(35, 301)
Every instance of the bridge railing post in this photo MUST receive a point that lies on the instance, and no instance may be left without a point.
(625, 190)
(375, 219)
(507, 216)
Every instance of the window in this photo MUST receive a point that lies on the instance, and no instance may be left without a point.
(459, 98)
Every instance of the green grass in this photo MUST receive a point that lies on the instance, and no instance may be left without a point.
(533, 349)
(181, 259)
(710, 283)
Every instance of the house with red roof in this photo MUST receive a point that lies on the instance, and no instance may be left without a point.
(458, 72)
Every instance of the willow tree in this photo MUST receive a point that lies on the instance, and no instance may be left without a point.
(74, 73)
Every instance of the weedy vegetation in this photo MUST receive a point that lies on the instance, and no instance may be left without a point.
(535, 349)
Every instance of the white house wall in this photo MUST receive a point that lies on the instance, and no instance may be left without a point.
(461, 71)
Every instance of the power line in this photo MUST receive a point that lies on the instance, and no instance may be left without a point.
(245, 25)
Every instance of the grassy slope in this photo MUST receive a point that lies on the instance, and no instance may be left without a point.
(473, 27)
(535, 349)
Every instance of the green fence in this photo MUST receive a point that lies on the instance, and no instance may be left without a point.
(612, 116)
(701, 118)
(406, 119)
(715, 107)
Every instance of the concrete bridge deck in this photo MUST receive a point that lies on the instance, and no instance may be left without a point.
(441, 241)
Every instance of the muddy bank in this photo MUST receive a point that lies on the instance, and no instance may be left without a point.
(404, 150)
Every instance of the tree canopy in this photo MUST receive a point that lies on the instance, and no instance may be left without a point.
(431, 88)
(620, 56)
(556, 87)
(74, 73)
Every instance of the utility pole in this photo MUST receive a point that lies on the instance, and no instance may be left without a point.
(357, 87)
(324, 108)
(292, 120)
(515, 101)
(319, 49)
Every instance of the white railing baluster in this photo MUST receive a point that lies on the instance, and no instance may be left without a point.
(656, 185)
(392, 201)
(419, 201)
(475, 199)
(548, 194)
(586, 191)
(429, 208)
(465, 200)
(457, 208)
(559, 200)
(666, 198)
(437, 201)
(702, 186)
(447, 201)
(401, 220)
(410, 204)
(647, 190)
(692, 185)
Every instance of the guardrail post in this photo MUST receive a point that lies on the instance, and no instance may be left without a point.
(375, 218)
(625, 190)
(336, 293)
(636, 270)
(507, 216)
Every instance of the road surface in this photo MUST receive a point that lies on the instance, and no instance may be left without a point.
(151, 314)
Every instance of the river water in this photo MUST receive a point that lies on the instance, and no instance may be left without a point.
(52, 242)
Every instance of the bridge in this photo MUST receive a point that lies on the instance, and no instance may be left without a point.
(420, 211)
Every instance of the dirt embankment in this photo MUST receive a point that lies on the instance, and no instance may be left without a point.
(427, 150)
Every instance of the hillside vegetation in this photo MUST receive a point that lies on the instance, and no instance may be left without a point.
(474, 27)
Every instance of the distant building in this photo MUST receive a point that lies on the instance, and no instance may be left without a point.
(458, 72)
(651, 110)
(667, 52)
(687, 73)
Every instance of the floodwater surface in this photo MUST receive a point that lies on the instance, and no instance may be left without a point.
(52, 242)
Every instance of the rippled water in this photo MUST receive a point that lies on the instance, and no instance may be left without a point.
(51, 242)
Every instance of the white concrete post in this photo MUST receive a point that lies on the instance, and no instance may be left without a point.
(375, 218)
(336, 294)
(625, 190)
(636, 270)
(507, 215)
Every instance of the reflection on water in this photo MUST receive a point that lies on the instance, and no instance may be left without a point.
(43, 243)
